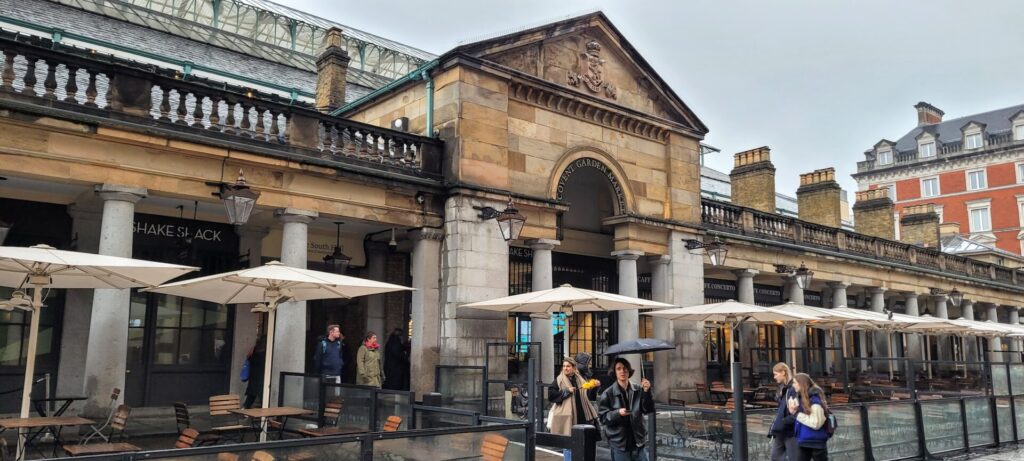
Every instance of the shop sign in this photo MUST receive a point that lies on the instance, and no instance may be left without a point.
(520, 253)
(162, 230)
(594, 164)
(719, 289)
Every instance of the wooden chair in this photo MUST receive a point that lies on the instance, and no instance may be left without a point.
(227, 457)
(703, 396)
(393, 423)
(839, 399)
(332, 411)
(119, 423)
(183, 419)
(494, 447)
(187, 438)
(220, 409)
(262, 456)
(98, 431)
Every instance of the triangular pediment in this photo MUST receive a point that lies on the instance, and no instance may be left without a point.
(588, 55)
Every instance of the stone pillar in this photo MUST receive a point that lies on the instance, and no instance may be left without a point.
(85, 227)
(795, 294)
(629, 320)
(250, 240)
(376, 308)
(995, 343)
(425, 268)
(838, 293)
(913, 340)
(836, 337)
(290, 332)
(689, 361)
(540, 324)
(881, 340)
(1014, 346)
(970, 342)
(661, 291)
(745, 294)
(108, 327)
(944, 342)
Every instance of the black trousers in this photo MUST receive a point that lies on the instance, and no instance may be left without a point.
(813, 454)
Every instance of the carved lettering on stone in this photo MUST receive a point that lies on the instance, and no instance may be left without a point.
(590, 72)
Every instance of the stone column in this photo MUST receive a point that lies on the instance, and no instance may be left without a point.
(795, 294)
(661, 291)
(838, 293)
(880, 339)
(376, 268)
(425, 266)
(913, 340)
(250, 240)
(1014, 319)
(689, 361)
(996, 343)
(85, 227)
(745, 294)
(108, 327)
(290, 332)
(836, 337)
(540, 324)
(629, 320)
(970, 342)
(944, 342)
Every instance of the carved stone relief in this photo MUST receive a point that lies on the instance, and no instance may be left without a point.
(590, 72)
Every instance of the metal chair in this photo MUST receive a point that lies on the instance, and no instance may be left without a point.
(98, 431)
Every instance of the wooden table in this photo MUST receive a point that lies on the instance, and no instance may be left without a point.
(265, 414)
(100, 449)
(52, 423)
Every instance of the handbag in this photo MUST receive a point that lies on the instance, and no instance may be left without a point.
(244, 375)
(551, 415)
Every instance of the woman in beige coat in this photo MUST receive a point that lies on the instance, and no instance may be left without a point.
(571, 405)
(369, 371)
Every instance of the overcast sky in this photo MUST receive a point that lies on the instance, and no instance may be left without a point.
(817, 81)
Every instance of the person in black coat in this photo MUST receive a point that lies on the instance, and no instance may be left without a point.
(257, 362)
(396, 362)
(784, 444)
(623, 408)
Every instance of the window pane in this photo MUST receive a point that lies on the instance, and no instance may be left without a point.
(191, 313)
(10, 344)
(135, 337)
(214, 347)
(927, 149)
(166, 346)
(191, 346)
(167, 311)
(1019, 131)
(137, 313)
(216, 316)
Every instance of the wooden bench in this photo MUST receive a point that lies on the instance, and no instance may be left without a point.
(99, 449)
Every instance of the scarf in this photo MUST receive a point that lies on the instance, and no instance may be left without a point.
(589, 412)
(371, 345)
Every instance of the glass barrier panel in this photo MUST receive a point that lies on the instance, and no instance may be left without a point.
(893, 431)
(847, 443)
(758, 444)
(507, 445)
(1004, 414)
(1018, 409)
(1017, 378)
(355, 406)
(695, 434)
(1000, 384)
(979, 427)
(461, 387)
(943, 426)
(300, 392)
(436, 419)
(389, 405)
(348, 451)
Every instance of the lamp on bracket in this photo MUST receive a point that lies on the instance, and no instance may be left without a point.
(802, 274)
(238, 199)
(954, 297)
(510, 222)
(337, 259)
(716, 249)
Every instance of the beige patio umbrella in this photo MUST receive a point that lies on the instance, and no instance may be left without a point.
(927, 325)
(860, 319)
(732, 313)
(44, 267)
(821, 315)
(270, 285)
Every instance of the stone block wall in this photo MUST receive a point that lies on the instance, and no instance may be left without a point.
(919, 225)
(818, 198)
(753, 179)
(873, 214)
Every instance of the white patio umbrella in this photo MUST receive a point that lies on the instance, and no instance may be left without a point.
(860, 319)
(269, 285)
(732, 313)
(820, 314)
(44, 267)
(928, 325)
(566, 299)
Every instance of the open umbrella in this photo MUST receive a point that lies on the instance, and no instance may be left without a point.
(270, 285)
(44, 267)
(639, 346)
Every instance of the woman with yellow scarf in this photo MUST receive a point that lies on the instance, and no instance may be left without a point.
(569, 398)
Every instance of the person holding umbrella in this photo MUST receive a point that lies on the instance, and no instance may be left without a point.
(571, 403)
(623, 408)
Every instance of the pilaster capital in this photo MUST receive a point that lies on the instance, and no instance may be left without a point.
(627, 255)
(877, 290)
(120, 193)
(543, 244)
(659, 260)
(246, 232)
(425, 233)
(295, 215)
(838, 285)
(745, 273)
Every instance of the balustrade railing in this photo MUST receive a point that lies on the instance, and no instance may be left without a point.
(820, 235)
(773, 226)
(38, 71)
(722, 215)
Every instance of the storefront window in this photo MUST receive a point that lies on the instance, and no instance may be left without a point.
(189, 332)
(14, 332)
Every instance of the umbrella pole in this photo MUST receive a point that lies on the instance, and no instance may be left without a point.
(268, 363)
(732, 358)
(30, 361)
(888, 341)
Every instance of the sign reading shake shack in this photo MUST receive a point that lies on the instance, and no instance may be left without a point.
(594, 164)
(163, 230)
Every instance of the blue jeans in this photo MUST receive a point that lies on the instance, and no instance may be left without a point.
(637, 454)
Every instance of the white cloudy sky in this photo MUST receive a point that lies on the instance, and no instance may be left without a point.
(817, 81)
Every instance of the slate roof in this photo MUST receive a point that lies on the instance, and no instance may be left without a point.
(80, 22)
(996, 121)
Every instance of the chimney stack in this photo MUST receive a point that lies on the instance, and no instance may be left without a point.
(928, 114)
(873, 214)
(818, 198)
(949, 229)
(331, 72)
(753, 180)
(919, 225)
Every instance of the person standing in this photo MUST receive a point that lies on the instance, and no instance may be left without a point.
(809, 408)
(784, 445)
(571, 404)
(623, 408)
(328, 358)
(257, 361)
(396, 362)
(369, 371)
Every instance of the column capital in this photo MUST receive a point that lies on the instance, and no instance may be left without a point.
(841, 285)
(295, 215)
(908, 294)
(877, 290)
(627, 255)
(121, 193)
(252, 232)
(543, 244)
(743, 273)
(425, 233)
(659, 260)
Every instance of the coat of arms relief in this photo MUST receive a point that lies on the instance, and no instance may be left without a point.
(591, 74)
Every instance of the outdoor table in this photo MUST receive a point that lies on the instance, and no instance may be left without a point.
(53, 423)
(264, 414)
(66, 402)
(100, 449)
(747, 391)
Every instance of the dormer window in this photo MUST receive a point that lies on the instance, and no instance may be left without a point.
(972, 140)
(1018, 132)
(926, 149)
(885, 157)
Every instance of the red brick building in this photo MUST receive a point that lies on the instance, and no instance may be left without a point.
(971, 168)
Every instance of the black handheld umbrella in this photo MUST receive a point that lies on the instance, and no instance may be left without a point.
(639, 346)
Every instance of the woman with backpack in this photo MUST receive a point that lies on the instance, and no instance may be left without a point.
(810, 409)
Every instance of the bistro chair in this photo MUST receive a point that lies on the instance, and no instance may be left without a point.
(703, 395)
(393, 423)
(262, 456)
(187, 438)
(227, 457)
(332, 411)
(98, 431)
(183, 419)
(493, 448)
(221, 407)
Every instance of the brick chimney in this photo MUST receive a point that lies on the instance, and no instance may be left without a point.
(818, 198)
(919, 225)
(928, 114)
(331, 72)
(949, 229)
(873, 214)
(753, 179)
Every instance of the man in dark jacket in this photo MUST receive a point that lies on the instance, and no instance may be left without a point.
(784, 446)
(328, 355)
(623, 408)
